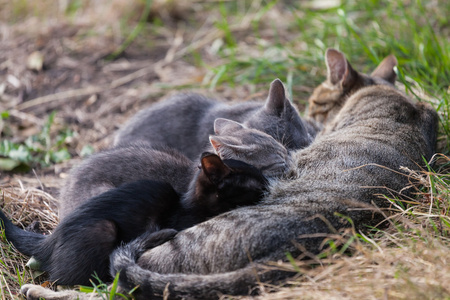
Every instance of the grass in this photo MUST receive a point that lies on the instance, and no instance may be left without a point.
(134, 33)
(366, 31)
(106, 291)
(247, 45)
(38, 150)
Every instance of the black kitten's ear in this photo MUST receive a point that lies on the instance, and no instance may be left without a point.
(223, 126)
(385, 69)
(340, 72)
(214, 168)
(277, 97)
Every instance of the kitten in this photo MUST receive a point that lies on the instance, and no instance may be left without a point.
(110, 168)
(235, 141)
(343, 81)
(80, 245)
(185, 122)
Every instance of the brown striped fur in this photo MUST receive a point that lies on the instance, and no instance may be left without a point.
(343, 81)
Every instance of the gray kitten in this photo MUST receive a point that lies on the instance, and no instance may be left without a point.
(356, 158)
(235, 141)
(111, 168)
(185, 122)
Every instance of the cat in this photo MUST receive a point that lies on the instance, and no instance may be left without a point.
(342, 81)
(80, 245)
(184, 122)
(235, 141)
(112, 167)
(356, 158)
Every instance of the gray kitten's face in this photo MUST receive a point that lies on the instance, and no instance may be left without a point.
(254, 147)
(280, 119)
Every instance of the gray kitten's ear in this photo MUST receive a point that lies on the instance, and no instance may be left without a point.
(385, 69)
(214, 168)
(217, 143)
(277, 97)
(223, 126)
(227, 147)
(340, 72)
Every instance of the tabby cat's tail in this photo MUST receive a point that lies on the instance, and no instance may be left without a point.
(154, 285)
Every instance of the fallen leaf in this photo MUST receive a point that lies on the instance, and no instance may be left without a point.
(35, 61)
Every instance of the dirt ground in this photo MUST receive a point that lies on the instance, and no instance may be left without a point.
(91, 94)
(62, 64)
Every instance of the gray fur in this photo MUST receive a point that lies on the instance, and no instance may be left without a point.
(235, 141)
(185, 122)
(113, 167)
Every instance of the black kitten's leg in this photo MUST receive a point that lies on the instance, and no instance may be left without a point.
(82, 249)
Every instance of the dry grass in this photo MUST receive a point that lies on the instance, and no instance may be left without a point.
(23, 206)
(414, 270)
(408, 260)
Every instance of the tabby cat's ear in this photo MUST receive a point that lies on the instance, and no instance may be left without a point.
(214, 168)
(223, 126)
(385, 69)
(277, 97)
(340, 72)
